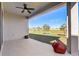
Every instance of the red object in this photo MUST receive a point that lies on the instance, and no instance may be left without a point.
(59, 47)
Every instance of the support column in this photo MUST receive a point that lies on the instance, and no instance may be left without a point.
(1, 26)
(72, 26)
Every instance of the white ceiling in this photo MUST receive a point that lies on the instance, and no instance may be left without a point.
(11, 7)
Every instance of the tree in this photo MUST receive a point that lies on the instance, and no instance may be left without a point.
(38, 28)
(63, 28)
(46, 27)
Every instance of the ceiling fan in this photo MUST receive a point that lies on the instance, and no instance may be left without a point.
(25, 8)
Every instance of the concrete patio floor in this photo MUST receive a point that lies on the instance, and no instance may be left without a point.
(28, 47)
(0, 53)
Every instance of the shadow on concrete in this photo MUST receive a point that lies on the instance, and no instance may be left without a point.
(43, 38)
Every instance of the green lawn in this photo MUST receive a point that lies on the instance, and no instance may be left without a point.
(56, 33)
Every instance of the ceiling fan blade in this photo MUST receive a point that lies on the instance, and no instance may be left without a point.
(28, 11)
(27, 17)
(20, 7)
(22, 11)
(30, 8)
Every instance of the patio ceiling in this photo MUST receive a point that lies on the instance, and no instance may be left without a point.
(11, 7)
(39, 7)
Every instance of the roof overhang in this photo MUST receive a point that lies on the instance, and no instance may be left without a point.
(49, 7)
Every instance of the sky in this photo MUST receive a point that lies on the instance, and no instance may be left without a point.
(54, 19)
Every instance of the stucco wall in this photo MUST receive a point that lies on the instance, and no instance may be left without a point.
(74, 28)
(74, 19)
(14, 26)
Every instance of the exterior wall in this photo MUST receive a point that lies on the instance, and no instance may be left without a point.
(74, 28)
(74, 19)
(78, 30)
(78, 39)
(72, 42)
(14, 26)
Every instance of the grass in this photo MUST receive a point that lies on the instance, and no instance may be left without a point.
(43, 38)
(52, 33)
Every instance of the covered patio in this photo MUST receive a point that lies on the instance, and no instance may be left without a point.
(15, 28)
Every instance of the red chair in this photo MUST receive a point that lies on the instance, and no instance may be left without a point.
(59, 47)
